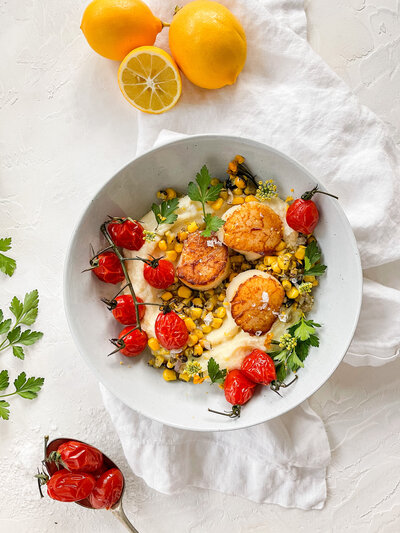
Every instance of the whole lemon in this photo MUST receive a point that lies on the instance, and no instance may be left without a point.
(115, 27)
(208, 43)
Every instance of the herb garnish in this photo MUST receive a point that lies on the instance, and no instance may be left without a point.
(165, 212)
(312, 256)
(7, 264)
(27, 388)
(215, 373)
(202, 191)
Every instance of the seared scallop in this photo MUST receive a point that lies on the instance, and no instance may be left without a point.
(251, 228)
(204, 262)
(255, 299)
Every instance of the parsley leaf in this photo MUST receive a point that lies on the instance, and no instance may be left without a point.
(5, 326)
(7, 264)
(312, 256)
(213, 223)
(16, 307)
(4, 411)
(303, 329)
(316, 270)
(18, 352)
(215, 373)
(28, 388)
(4, 381)
(165, 212)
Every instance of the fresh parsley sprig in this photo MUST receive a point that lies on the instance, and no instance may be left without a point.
(165, 212)
(7, 264)
(202, 191)
(312, 256)
(25, 315)
(27, 388)
(215, 374)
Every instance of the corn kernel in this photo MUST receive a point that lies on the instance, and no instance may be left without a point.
(269, 259)
(197, 379)
(248, 190)
(217, 204)
(159, 360)
(221, 297)
(170, 236)
(286, 284)
(233, 166)
(214, 181)
(182, 236)
(199, 333)
(205, 328)
(166, 296)
(262, 267)
(169, 375)
(276, 268)
(300, 253)
(210, 304)
(162, 195)
(245, 266)
(204, 343)
(216, 323)
(237, 258)
(171, 193)
(220, 312)
(162, 245)
(292, 293)
(193, 339)
(190, 324)
(223, 195)
(251, 198)
(184, 292)
(198, 302)
(232, 276)
(198, 350)
(284, 261)
(171, 255)
(178, 247)
(238, 200)
(237, 192)
(315, 283)
(196, 312)
(192, 227)
(184, 376)
(170, 364)
(309, 278)
(240, 183)
(311, 238)
(151, 362)
(153, 344)
(239, 159)
(281, 246)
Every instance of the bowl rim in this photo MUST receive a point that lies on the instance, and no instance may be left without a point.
(182, 139)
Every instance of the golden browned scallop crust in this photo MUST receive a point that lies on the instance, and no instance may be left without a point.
(255, 302)
(204, 262)
(253, 227)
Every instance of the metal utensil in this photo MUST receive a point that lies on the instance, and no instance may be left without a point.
(117, 509)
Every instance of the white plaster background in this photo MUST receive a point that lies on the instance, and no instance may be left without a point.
(52, 127)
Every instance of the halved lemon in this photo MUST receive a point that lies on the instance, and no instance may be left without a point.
(149, 79)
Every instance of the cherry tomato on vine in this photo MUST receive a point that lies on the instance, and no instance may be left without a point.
(126, 233)
(108, 489)
(171, 330)
(259, 367)
(133, 341)
(74, 455)
(302, 215)
(123, 309)
(238, 388)
(107, 268)
(66, 486)
(159, 273)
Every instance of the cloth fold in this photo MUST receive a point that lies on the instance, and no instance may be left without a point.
(288, 98)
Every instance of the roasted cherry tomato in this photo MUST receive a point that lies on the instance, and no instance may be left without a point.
(159, 273)
(123, 309)
(75, 455)
(126, 233)
(66, 486)
(108, 489)
(302, 215)
(171, 331)
(107, 268)
(259, 367)
(238, 388)
(133, 341)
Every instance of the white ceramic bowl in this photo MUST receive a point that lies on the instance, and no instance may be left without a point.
(130, 192)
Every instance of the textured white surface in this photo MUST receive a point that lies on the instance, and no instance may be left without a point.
(53, 126)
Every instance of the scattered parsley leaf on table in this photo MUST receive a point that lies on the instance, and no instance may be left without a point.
(215, 373)
(165, 212)
(7, 264)
(312, 256)
(27, 388)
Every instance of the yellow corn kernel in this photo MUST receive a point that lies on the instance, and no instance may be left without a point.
(269, 259)
(281, 246)
(159, 360)
(184, 292)
(198, 350)
(311, 238)
(315, 283)
(210, 304)
(217, 204)
(232, 276)
(248, 190)
(196, 312)
(286, 284)
(245, 266)
(182, 236)
(162, 195)
(300, 253)
(204, 343)
(162, 245)
(237, 258)
(214, 181)
(216, 323)
(221, 297)
(170, 236)
(240, 183)
(284, 261)
(169, 375)
(171, 193)
(309, 278)
(197, 379)
(192, 227)
(238, 200)
(276, 268)
(193, 339)
(220, 312)
(191, 326)
(153, 344)
(171, 255)
(166, 296)
(170, 364)
(292, 293)
(223, 195)
(178, 247)
(237, 192)
(205, 328)
(151, 362)
(184, 376)
(239, 159)
(198, 302)
(261, 267)
(251, 198)
(199, 333)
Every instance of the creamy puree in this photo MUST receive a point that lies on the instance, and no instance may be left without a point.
(229, 344)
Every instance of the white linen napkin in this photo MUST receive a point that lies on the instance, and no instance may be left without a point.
(287, 97)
